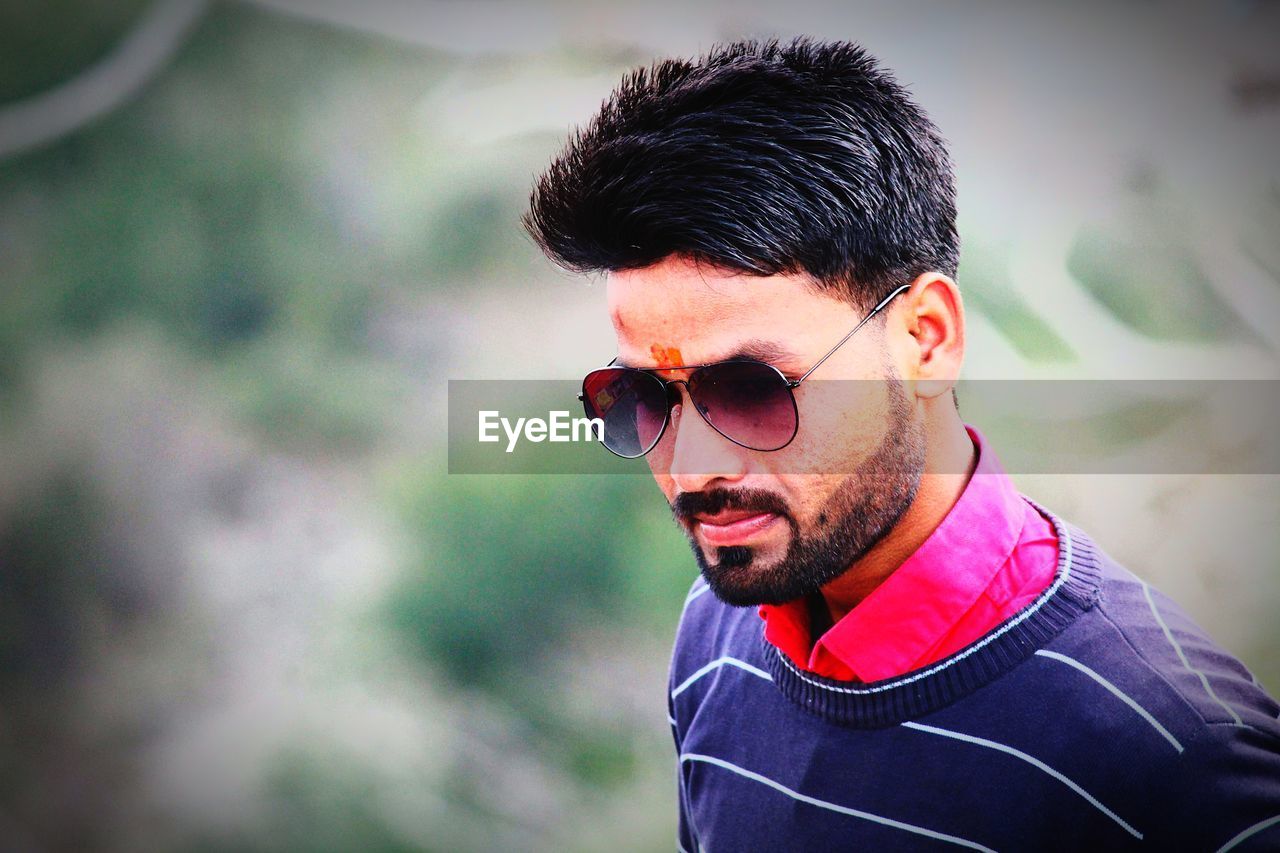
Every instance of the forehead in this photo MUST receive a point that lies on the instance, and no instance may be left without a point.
(707, 314)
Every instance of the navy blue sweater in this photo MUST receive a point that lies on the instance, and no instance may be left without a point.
(1098, 717)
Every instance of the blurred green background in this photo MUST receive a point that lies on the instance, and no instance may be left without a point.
(243, 247)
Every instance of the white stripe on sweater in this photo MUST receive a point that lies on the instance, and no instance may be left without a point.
(694, 593)
(823, 804)
(1116, 691)
(1177, 647)
(1032, 760)
(1249, 833)
(716, 664)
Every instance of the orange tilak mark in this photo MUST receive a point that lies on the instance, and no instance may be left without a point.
(665, 356)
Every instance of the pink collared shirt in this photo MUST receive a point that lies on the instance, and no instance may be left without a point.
(992, 554)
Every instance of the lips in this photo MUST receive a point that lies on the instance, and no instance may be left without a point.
(732, 526)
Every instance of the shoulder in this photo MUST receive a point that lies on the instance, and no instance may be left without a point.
(1155, 635)
(1193, 728)
(1135, 639)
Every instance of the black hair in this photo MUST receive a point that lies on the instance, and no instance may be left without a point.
(758, 157)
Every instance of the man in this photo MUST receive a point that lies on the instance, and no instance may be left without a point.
(900, 651)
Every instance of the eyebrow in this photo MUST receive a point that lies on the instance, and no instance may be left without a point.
(755, 348)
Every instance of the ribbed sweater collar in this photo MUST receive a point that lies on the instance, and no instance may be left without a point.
(894, 700)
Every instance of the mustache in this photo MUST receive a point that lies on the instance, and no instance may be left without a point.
(688, 504)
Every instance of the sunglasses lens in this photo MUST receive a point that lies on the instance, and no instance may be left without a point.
(748, 402)
(631, 403)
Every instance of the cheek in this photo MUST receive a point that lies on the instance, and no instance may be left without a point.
(841, 423)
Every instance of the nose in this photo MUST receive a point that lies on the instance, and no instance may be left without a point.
(699, 454)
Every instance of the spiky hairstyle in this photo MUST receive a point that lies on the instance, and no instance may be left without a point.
(758, 157)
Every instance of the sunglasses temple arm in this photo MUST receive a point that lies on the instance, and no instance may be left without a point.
(874, 311)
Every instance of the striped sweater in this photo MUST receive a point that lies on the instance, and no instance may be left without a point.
(1098, 717)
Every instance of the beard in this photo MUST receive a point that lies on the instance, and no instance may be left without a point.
(858, 514)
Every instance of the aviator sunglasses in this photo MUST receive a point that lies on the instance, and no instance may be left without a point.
(749, 402)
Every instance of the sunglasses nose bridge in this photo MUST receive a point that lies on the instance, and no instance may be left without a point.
(688, 394)
(674, 396)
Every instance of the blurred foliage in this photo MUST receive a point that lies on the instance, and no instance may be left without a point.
(984, 277)
(511, 563)
(1141, 268)
(322, 805)
(513, 566)
(206, 208)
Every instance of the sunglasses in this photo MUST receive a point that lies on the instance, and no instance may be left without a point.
(749, 402)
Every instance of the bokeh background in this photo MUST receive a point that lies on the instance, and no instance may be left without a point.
(243, 247)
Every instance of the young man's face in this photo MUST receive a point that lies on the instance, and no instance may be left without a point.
(768, 527)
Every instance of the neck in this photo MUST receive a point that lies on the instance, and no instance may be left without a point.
(950, 458)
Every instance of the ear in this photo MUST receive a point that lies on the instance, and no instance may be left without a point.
(933, 315)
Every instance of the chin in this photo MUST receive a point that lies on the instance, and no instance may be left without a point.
(740, 578)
